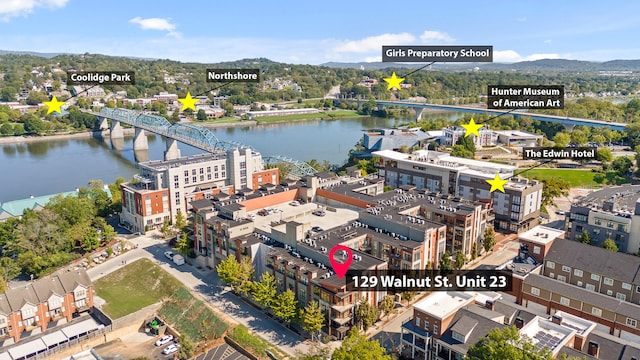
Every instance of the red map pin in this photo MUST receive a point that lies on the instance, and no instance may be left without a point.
(341, 267)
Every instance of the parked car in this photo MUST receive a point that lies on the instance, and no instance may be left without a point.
(178, 259)
(319, 213)
(294, 203)
(163, 340)
(170, 349)
(317, 229)
(169, 254)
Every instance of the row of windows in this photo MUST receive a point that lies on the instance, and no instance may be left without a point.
(580, 273)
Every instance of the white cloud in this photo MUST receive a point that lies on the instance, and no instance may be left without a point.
(156, 24)
(373, 59)
(374, 43)
(436, 37)
(12, 8)
(510, 56)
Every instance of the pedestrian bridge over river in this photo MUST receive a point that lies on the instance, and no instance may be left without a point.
(567, 122)
(196, 136)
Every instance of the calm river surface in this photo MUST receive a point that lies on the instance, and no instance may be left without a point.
(53, 166)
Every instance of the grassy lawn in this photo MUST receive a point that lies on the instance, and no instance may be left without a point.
(323, 115)
(134, 286)
(191, 317)
(222, 120)
(253, 343)
(577, 177)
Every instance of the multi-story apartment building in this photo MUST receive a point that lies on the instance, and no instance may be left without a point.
(452, 134)
(43, 302)
(594, 269)
(408, 212)
(164, 188)
(516, 210)
(611, 213)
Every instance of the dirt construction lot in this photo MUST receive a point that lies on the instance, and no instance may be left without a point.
(132, 346)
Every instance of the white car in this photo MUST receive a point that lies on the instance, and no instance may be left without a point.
(163, 340)
(170, 349)
(294, 203)
(169, 254)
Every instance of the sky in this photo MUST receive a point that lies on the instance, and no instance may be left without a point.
(310, 32)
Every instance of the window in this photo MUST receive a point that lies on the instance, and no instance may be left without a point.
(208, 176)
(535, 291)
(638, 289)
(201, 178)
(610, 292)
(186, 173)
(595, 277)
(457, 336)
(562, 278)
(176, 178)
(536, 249)
(626, 286)
(201, 171)
(597, 312)
(435, 329)
(632, 322)
(194, 179)
(564, 301)
(193, 171)
(608, 281)
(621, 296)
(177, 198)
(208, 169)
(577, 272)
(551, 265)
(417, 322)
(426, 325)
(552, 275)
(590, 287)
(565, 268)
(579, 283)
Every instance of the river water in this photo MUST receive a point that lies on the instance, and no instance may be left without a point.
(53, 166)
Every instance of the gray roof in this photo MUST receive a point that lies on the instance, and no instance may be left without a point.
(71, 279)
(479, 331)
(508, 311)
(44, 288)
(4, 305)
(594, 259)
(623, 197)
(574, 292)
(573, 353)
(17, 297)
(465, 325)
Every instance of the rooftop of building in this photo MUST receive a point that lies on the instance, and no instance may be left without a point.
(17, 207)
(445, 160)
(622, 199)
(516, 133)
(187, 160)
(541, 234)
(598, 300)
(580, 325)
(596, 260)
(442, 304)
(544, 333)
(472, 326)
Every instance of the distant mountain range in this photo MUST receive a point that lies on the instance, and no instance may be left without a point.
(537, 65)
(525, 66)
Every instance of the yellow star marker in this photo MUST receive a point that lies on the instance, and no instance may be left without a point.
(54, 105)
(394, 82)
(471, 128)
(188, 102)
(497, 183)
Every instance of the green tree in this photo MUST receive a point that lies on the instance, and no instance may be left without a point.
(33, 125)
(407, 296)
(610, 245)
(186, 349)
(182, 245)
(506, 343)
(6, 129)
(562, 139)
(9, 269)
(445, 262)
(460, 260)
(316, 353)
(489, 240)
(553, 188)
(312, 318)
(387, 305)
(357, 347)
(229, 270)
(181, 222)
(91, 240)
(604, 155)
(286, 306)
(166, 230)
(245, 281)
(201, 115)
(366, 315)
(264, 291)
(584, 237)
(474, 251)
(621, 165)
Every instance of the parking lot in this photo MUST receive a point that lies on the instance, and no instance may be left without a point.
(134, 345)
(303, 214)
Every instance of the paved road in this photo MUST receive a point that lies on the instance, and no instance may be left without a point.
(211, 288)
(389, 336)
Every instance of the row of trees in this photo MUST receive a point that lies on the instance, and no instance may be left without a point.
(66, 228)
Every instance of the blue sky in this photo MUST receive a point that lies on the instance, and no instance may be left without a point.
(318, 32)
